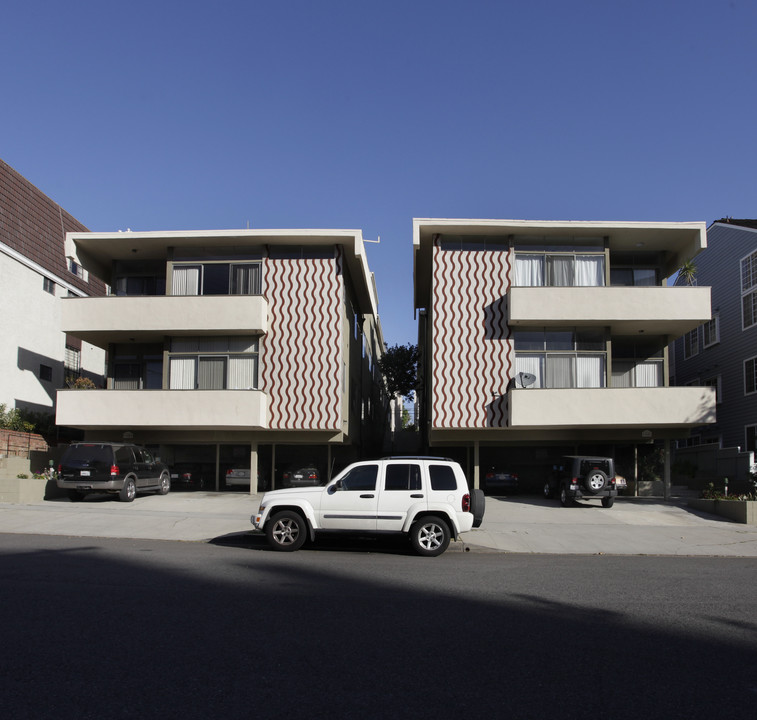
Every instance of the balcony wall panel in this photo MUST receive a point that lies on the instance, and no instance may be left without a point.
(626, 310)
(611, 407)
(163, 409)
(118, 319)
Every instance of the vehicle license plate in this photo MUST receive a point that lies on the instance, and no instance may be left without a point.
(84, 473)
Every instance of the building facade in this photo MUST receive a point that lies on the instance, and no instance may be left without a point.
(36, 357)
(722, 353)
(231, 349)
(540, 339)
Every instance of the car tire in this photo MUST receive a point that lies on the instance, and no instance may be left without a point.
(477, 506)
(607, 502)
(286, 531)
(129, 490)
(75, 495)
(548, 491)
(565, 499)
(595, 481)
(430, 536)
(165, 484)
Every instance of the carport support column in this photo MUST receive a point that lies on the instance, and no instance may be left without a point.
(253, 468)
(666, 469)
(476, 461)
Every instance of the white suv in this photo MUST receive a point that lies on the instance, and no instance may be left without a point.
(425, 498)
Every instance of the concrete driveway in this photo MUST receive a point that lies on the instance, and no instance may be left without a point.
(521, 524)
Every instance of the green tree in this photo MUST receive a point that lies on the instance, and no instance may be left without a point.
(399, 365)
(687, 273)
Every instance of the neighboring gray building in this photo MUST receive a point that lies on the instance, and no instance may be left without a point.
(722, 353)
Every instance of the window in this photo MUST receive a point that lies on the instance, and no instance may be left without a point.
(360, 479)
(216, 278)
(637, 363)
(442, 477)
(403, 477)
(77, 269)
(45, 373)
(564, 269)
(749, 291)
(72, 363)
(750, 435)
(213, 363)
(711, 332)
(48, 285)
(633, 277)
(691, 344)
(750, 376)
(137, 367)
(561, 358)
(714, 382)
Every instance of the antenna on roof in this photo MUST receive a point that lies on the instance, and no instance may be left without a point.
(373, 241)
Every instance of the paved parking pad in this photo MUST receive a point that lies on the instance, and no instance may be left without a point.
(520, 524)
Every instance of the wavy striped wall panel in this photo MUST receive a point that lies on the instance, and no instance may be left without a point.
(301, 356)
(472, 355)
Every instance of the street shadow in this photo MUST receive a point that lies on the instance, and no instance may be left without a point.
(194, 630)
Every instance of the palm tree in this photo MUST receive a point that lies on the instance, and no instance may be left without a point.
(687, 273)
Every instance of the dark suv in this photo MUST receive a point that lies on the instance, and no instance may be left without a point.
(111, 467)
(583, 476)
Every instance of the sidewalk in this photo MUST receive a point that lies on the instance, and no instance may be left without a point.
(633, 526)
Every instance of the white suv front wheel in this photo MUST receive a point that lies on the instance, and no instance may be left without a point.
(286, 531)
(430, 536)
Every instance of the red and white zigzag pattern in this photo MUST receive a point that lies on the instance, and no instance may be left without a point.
(472, 355)
(301, 356)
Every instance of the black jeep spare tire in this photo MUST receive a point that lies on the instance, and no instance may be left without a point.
(477, 506)
(595, 481)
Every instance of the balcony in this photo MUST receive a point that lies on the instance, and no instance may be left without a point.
(163, 409)
(145, 318)
(611, 408)
(670, 311)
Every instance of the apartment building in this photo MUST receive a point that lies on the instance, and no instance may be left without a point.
(36, 357)
(229, 349)
(722, 352)
(540, 339)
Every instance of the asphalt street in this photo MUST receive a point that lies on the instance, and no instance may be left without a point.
(125, 628)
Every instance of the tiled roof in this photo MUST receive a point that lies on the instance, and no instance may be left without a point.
(36, 226)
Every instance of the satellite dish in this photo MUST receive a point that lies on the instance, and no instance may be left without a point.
(525, 379)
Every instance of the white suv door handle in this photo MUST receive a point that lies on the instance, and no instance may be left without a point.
(370, 495)
(416, 495)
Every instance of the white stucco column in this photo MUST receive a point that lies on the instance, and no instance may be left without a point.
(476, 468)
(253, 468)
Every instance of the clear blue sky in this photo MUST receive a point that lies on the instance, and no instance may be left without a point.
(174, 115)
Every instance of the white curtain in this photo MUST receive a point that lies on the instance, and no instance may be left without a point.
(590, 270)
(560, 371)
(529, 270)
(211, 373)
(245, 279)
(186, 280)
(533, 364)
(243, 373)
(560, 270)
(622, 374)
(590, 371)
(182, 373)
(649, 374)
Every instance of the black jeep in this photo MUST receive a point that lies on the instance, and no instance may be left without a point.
(583, 476)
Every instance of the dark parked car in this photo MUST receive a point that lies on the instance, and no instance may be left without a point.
(500, 481)
(583, 476)
(301, 477)
(119, 468)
